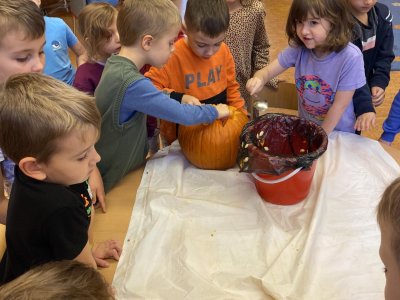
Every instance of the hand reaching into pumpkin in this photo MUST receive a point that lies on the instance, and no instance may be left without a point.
(223, 111)
(187, 99)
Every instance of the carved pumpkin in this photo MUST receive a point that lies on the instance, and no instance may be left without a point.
(213, 146)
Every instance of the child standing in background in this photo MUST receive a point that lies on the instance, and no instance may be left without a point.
(388, 216)
(50, 209)
(374, 37)
(201, 65)
(247, 39)
(21, 51)
(328, 68)
(98, 28)
(60, 38)
(147, 31)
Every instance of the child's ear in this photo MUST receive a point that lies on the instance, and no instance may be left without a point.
(146, 42)
(30, 167)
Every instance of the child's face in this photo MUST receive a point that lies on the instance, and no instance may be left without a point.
(313, 32)
(75, 159)
(112, 45)
(390, 261)
(362, 6)
(162, 47)
(20, 55)
(202, 45)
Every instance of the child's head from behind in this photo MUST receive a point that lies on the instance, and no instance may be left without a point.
(388, 216)
(48, 128)
(58, 280)
(206, 22)
(325, 25)
(151, 25)
(98, 28)
(21, 38)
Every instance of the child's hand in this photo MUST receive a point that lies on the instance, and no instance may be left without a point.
(378, 95)
(223, 111)
(187, 99)
(97, 188)
(365, 121)
(254, 85)
(104, 250)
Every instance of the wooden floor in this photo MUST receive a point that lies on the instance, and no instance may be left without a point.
(277, 12)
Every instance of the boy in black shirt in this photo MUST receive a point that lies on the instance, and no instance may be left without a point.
(49, 129)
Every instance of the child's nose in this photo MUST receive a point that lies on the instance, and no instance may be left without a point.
(38, 64)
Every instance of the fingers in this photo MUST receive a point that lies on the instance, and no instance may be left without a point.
(101, 198)
(254, 85)
(101, 263)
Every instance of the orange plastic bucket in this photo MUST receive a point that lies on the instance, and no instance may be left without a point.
(287, 188)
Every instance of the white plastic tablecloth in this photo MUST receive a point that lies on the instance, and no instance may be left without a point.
(198, 234)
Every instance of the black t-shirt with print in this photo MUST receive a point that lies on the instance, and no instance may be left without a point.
(45, 222)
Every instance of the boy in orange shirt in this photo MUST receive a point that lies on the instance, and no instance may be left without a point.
(201, 64)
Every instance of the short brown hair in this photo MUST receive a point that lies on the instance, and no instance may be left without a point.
(137, 18)
(36, 110)
(94, 21)
(210, 17)
(336, 12)
(389, 211)
(66, 279)
(21, 16)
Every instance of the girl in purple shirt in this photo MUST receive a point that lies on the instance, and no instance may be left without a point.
(328, 68)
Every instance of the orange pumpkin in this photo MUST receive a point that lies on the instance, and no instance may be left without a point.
(213, 146)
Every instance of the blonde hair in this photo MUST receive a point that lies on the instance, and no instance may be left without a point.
(94, 21)
(62, 280)
(21, 16)
(336, 12)
(388, 211)
(137, 18)
(36, 110)
(210, 17)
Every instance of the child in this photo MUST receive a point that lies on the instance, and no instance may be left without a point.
(248, 41)
(21, 50)
(98, 28)
(389, 222)
(60, 38)
(201, 65)
(50, 208)
(147, 31)
(66, 279)
(328, 68)
(374, 37)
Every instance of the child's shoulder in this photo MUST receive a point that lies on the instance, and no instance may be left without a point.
(383, 12)
(54, 21)
(351, 50)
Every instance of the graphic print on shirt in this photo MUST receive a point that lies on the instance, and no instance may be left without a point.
(316, 95)
(87, 205)
(55, 45)
(214, 75)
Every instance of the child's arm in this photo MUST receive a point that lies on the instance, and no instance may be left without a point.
(233, 96)
(335, 112)
(80, 53)
(256, 83)
(363, 109)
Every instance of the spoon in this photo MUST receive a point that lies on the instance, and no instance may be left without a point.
(259, 106)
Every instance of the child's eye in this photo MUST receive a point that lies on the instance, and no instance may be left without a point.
(22, 59)
(83, 157)
(201, 45)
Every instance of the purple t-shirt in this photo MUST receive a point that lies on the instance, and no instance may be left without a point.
(317, 81)
(88, 76)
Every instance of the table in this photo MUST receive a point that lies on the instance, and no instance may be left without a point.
(120, 202)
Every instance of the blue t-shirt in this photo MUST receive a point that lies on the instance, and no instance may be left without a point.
(318, 80)
(59, 37)
(112, 2)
